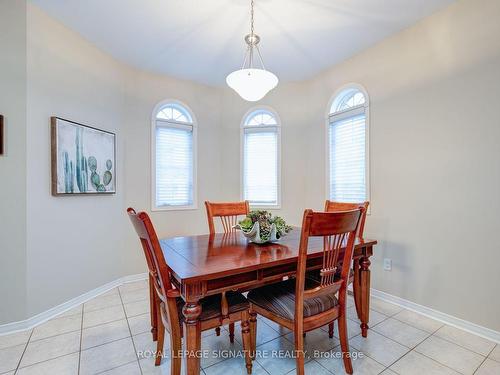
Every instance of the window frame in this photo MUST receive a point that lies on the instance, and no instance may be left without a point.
(243, 126)
(177, 125)
(346, 113)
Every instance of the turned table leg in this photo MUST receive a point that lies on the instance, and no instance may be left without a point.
(253, 333)
(153, 308)
(192, 335)
(356, 287)
(364, 294)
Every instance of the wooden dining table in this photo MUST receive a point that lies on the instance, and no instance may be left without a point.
(205, 265)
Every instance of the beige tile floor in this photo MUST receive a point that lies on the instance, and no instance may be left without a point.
(105, 335)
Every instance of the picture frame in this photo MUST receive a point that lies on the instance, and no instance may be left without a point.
(83, 159)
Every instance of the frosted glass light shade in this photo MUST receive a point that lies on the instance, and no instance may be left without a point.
(252, 84)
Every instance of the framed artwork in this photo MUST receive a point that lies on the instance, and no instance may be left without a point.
(83, 159)
(1, 135)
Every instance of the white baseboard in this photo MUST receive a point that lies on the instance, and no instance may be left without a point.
(29, 323)
(465, 325)
(68, 305)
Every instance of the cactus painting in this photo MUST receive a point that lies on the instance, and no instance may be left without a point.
(95, 178)
(83, 159)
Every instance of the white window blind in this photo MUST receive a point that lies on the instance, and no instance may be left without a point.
(347, 140)
(260, 166)
(174, 165)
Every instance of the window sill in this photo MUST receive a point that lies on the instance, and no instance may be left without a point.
(175, 208)
(264, 207)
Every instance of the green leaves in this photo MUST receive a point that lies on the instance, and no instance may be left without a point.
(281, 227)
(246, 224)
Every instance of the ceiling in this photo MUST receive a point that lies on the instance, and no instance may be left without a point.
(202, 40)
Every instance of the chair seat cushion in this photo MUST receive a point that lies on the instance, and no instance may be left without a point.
(211, 306)
(279, 298)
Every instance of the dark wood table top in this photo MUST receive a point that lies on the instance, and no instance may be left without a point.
(206, 257)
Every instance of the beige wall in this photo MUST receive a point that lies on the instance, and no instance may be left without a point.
(434, 154)
(288, 102)
(76, 244)
(435, 157)
(144, 92)
(13, 162)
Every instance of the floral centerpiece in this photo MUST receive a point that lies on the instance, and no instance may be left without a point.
(261, 227)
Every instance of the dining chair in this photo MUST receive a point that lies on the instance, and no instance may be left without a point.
(228, 214)
(303, 304)
(332, 206)
(169, 304)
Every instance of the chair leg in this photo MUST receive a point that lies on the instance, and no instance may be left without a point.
(344, 341)
(217, 331)
(175, 350)
(247, 342)
(153, 301)
(160, 336)
(231, 333)
(331, 329)
(299, 352)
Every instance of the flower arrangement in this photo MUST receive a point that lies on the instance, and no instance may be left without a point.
(262, 227)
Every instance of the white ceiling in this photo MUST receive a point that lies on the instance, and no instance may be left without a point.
(202, 40)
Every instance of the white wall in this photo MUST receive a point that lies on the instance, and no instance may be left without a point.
(13, 162)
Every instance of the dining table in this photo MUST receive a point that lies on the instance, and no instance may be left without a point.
(204, 265)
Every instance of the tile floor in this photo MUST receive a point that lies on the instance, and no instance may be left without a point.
(108, 334)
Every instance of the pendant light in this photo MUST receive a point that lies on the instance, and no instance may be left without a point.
(250, 82)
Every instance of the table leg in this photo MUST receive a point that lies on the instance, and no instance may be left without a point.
(356, 287)
(192, 332)
(364, 294)
(153, 308)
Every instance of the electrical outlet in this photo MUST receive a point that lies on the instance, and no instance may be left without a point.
(387, 264)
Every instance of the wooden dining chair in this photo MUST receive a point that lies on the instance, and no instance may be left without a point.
(302, 304)
(332, 206)
(228, 214)
(168, 303)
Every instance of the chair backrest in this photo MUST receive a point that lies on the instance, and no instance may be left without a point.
(227, 212)
(331, 206)
(157, 266)
(338, 230)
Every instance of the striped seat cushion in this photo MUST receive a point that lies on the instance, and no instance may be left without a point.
(211, 306)
(279, 298)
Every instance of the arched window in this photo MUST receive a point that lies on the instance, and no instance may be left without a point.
(348, 146)
(174, 157)
(261, 144)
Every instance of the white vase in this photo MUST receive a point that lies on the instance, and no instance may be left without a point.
(254, 234)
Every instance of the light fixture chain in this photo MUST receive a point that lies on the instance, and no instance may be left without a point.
(251, 17)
